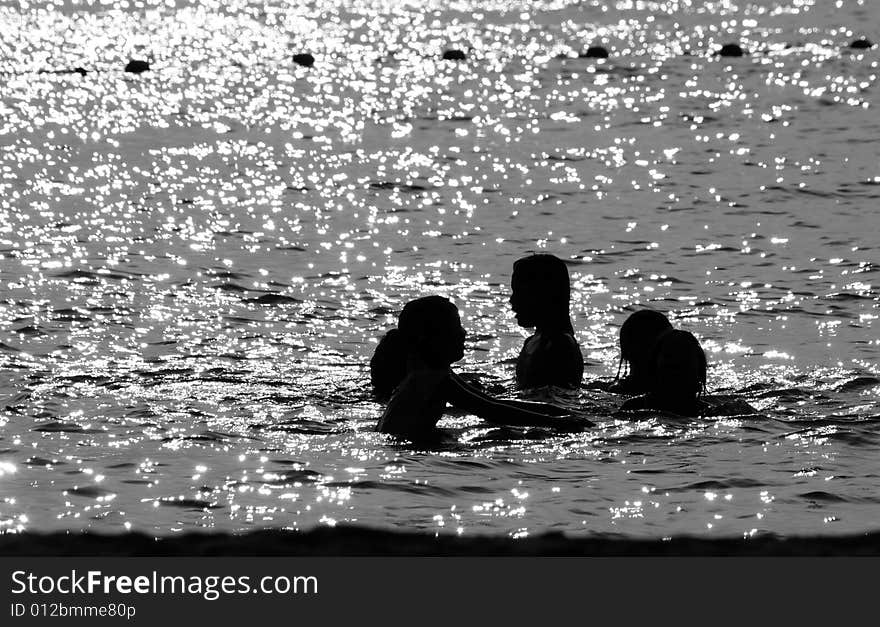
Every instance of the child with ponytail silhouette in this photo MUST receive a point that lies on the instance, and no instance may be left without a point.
(540, 298)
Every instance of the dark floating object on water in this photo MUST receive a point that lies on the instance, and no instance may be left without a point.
(595, 52)
(304, 59)
(76, 70)
(454, 55)
(862, 44)
(731, 50)
(136, 66)
(403, 187)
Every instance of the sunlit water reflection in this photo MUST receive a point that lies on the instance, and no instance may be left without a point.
(197, 260)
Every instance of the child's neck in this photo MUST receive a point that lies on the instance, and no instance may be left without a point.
(553, 325)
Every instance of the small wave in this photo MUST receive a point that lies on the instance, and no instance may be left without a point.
(86, 378)
(786, 394)
(294, 476)
(403, 187)
(500, 435)
(825, 497)
(63, 427)
(409, 488)
(702, 486)
(469, 464)
(87, 276)
(828, 430)
(230, 287)
(71, 315)
(172, 373)
(302, 425)
(273, 299)
(185, 503)
(91, 492)
(36, 460)
(849, 296)
(828, 497)
(15, 400)
(30, 330)
(241, 320)
(859, 383)
(204, 436)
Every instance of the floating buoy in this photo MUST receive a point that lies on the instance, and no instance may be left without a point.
(137, 66)
(454, 54)
(862, 44)
(731, 50)
(304, 59)
(80, 71)
(595, 52)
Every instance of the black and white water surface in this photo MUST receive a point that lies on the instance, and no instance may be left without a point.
(197, 259)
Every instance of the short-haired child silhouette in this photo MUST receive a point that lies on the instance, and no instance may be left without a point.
(411, 370)
(540, 298)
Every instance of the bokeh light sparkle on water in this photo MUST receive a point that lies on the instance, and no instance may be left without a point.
(197, 260)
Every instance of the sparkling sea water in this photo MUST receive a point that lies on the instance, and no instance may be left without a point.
(196, 261)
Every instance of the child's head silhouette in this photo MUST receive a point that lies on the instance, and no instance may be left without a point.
(541, 292)
(679, 364)
(638, 335)
(428, 330)
(432, 327)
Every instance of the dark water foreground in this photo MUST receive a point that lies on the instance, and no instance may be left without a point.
(351, 540)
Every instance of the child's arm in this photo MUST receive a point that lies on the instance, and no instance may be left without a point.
(534, 406)
(514, 413)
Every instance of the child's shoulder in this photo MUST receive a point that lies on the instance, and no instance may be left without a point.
(561, 341)
(417, 403)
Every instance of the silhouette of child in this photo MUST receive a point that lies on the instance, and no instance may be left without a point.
(638, 336)
(540, 295)
(411, 370)
(677, 376)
